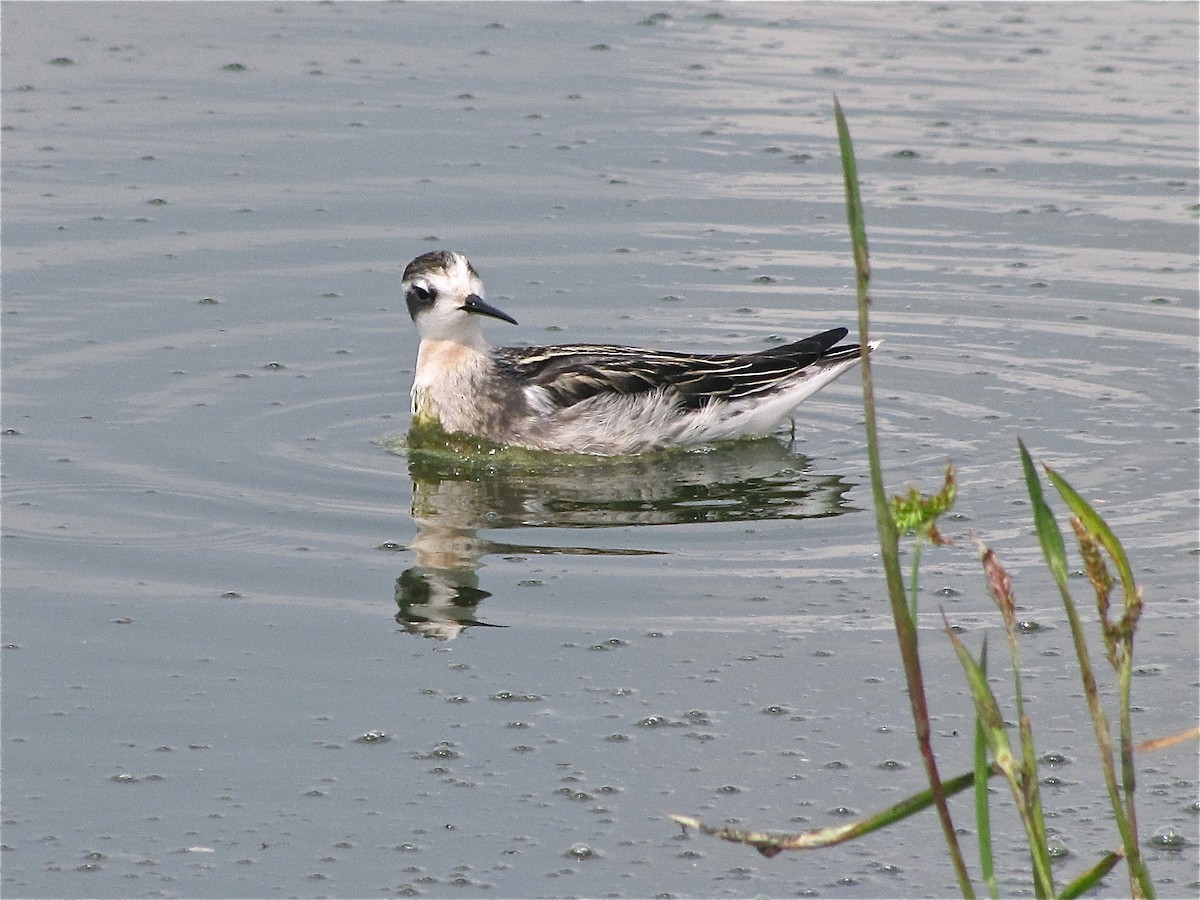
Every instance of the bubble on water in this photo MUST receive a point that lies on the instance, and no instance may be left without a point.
(1168, 838)
(373, 737)
(582, 851)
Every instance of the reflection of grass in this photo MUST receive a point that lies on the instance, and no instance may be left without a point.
(996, 753)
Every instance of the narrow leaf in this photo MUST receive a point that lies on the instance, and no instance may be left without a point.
(1048, 534)
(1096, 525)
(770, 843)
(858, 229)
(1092, 877)
(986, 706)
(983, 820)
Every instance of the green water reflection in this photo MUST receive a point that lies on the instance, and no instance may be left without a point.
(459, 490)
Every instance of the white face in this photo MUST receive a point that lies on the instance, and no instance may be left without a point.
(445, 298)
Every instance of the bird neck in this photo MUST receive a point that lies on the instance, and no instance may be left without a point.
(439, 359)
(446, 382)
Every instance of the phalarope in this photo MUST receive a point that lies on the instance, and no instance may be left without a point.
(589, 398)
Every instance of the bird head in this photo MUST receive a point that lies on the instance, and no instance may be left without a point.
(445, 297)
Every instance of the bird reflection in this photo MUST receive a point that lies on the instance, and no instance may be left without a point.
(455, 494)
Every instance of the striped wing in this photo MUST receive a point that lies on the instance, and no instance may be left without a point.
(571, 373)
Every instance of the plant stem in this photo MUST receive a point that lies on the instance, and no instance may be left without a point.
(1054, 551)
(914, 580)
(906, 628)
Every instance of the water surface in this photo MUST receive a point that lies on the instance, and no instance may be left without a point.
(255, 648)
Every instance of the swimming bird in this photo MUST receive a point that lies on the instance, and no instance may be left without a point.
(590, 398)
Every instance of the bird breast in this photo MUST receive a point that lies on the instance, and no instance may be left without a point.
(445, 385)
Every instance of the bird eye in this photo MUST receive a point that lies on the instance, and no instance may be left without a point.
(424, 295)
(419, 298)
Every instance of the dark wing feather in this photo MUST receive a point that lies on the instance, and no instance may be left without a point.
(571, 373)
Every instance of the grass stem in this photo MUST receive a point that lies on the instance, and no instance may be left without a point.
(889, 538)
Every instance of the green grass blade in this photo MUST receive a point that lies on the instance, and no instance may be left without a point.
(1055, 553)
(995, 735)
(1048, 532)
(1000, 587)
(889, 541)
(888, 532)
(986, 708)
(983, 819)
(914, 581)
(1096, 525)
(1039, 847)
(854, 210)
(1091, 878)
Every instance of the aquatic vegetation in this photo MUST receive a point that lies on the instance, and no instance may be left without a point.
(998, 752)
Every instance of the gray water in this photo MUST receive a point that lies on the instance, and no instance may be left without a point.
(252, 648)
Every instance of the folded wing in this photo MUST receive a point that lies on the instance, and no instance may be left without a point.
(572, 373)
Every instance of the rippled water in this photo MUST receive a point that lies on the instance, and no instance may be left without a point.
(254, 647)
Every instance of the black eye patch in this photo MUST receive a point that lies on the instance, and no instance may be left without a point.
(420, 298)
